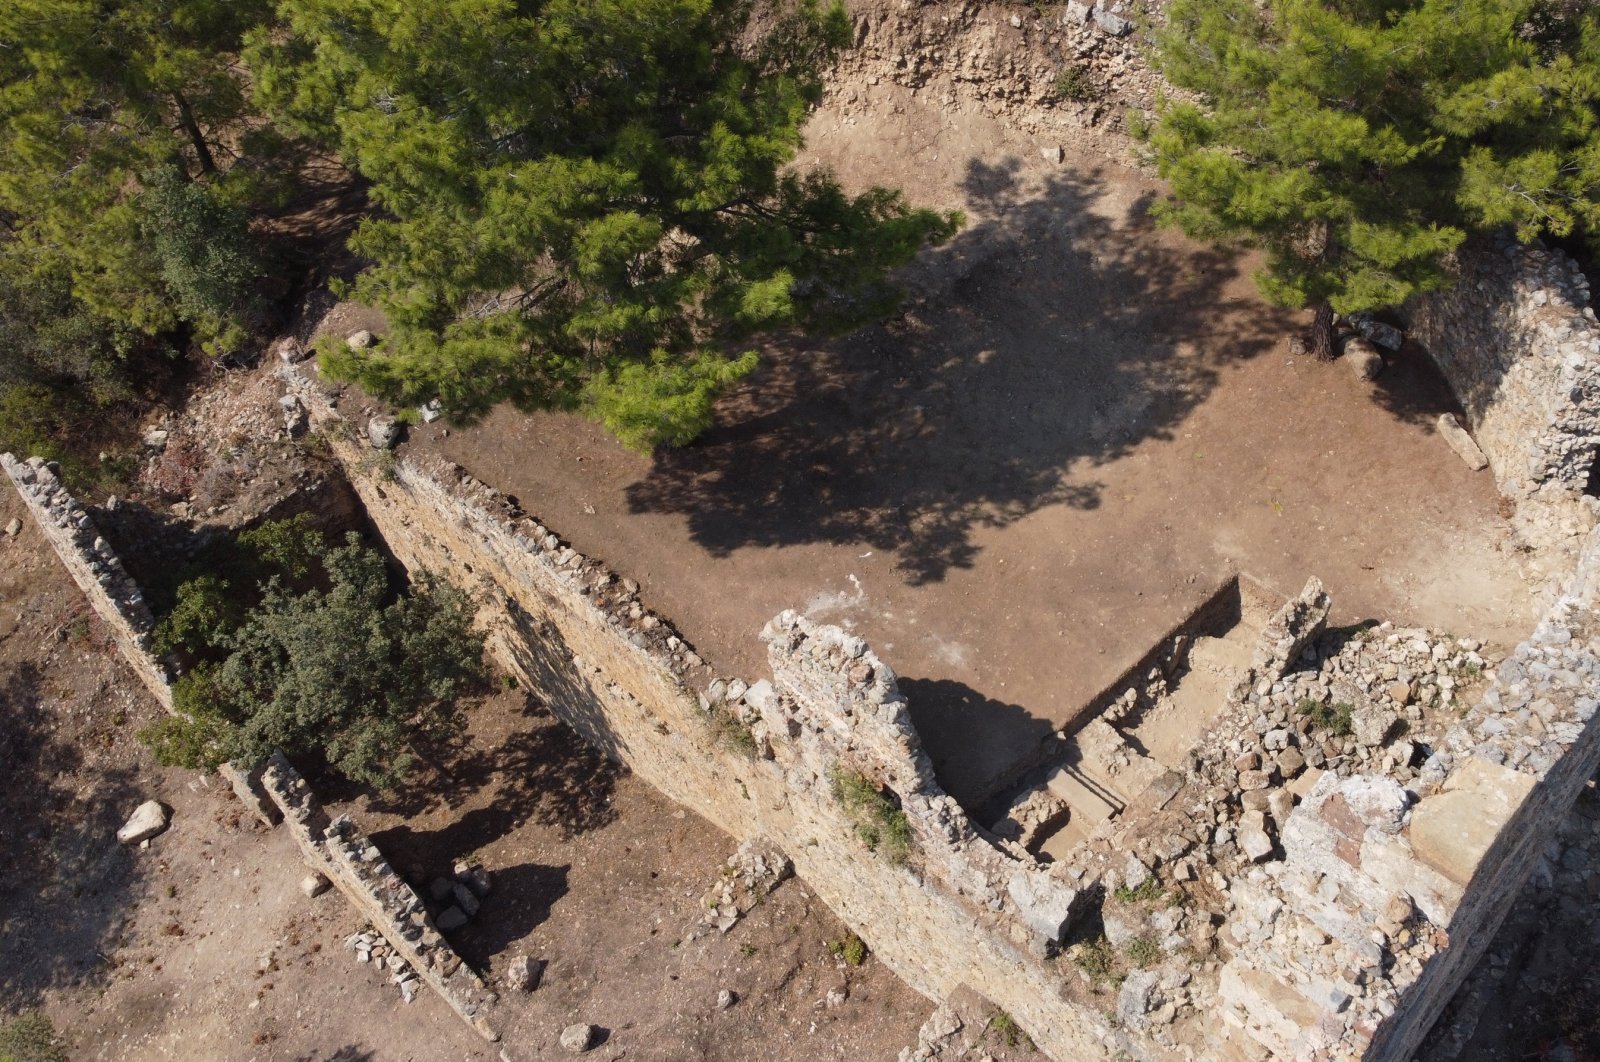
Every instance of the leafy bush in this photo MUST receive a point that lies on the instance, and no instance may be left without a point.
(851, 948)
(31, 1037)
(341, 668)
(1074, 83)
(1009, 1031)
(1098, 959)
(1149, 889)
(1142, 951)
(206, 257)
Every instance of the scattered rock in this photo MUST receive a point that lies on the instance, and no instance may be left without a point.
(836, 997)
(294, 414)
(148, 820)
(451, 918)
(725, 999)
(156, 439)
(524, 972)
(383, 431)
(1052, 154)
(14, 528)
(360, 340)
(1134, 998)
(1363, 358)
(1386, 336)
(1115, 25)
(577, 1038)
(290, 351)
(431, 411)
(1254, 841)
(1461, 442)
(315, 884)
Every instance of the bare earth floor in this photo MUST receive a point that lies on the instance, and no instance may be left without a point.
(1079, 426)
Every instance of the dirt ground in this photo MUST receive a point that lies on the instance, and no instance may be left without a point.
(203, 946)
(1077, 427)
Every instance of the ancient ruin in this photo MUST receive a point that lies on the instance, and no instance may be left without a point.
(1308, 831)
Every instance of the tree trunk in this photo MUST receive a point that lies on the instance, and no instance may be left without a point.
(208, 164)
(1321, 338)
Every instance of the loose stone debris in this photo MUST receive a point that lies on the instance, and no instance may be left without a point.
(148, 820)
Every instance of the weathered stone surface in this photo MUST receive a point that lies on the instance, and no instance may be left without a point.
(1363, 358)
(315, 884)
(383, 431)
(1254, 841)
(360, 340)
(577, 1038)
(13, 527)
(1135, 996)
(1043, 905)
(147, 820)
(1384, 335)
(1453, 830)
(523, 974)
(1458, 439)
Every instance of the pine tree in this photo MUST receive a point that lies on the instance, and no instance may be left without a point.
(1360, 141)
(584, 203)
(98, 99)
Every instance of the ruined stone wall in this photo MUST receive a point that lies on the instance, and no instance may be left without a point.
(355, 866)
(338, 850)
(1385, 895)
(93, 565)
(1519, 344)
(758, 761)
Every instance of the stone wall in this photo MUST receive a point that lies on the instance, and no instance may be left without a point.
(1519, 344)
(341, 852)
(757, 760)
(93, 565)
(1388, 886)
(338, 850)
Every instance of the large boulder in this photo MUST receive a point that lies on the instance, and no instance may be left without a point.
(1363, 358)
(147, 820)
(383, 431)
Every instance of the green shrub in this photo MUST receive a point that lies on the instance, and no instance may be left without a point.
(1010, 1032)
(882, 826)
(31, 1037)
(1142, 951)
(1074, 84)
(343, 670)
(1097, 958)
(1149, 889)
(851, 948)
(1337, 719)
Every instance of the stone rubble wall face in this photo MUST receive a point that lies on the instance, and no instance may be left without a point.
(93, 565)
(1520, 347)
(344, 854)
(963, 912)
(1497, 785)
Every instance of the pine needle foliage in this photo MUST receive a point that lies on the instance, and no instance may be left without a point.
(1360, 141)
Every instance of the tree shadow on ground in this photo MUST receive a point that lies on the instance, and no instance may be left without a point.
(541, 772)
(1043, 342)
(67, 885)
(344, 1054)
